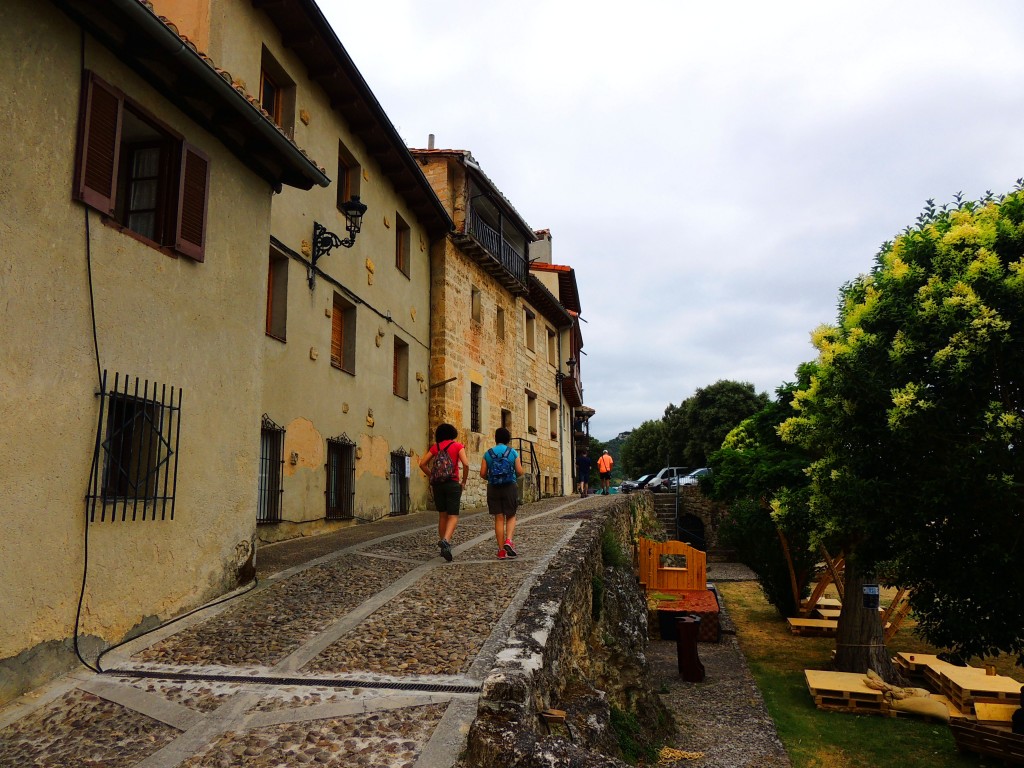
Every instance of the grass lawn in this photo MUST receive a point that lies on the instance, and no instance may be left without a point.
(818, 739)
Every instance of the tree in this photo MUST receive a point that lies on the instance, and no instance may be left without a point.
(712, 412)
(642, 451)
(753, 467)
(916, 415)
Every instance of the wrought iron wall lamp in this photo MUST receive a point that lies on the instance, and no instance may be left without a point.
(324, 241)
(560, 377)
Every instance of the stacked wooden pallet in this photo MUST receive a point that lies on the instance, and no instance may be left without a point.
(847, 692)
(966, 687)
(998, 742)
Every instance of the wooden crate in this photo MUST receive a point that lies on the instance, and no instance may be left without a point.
(967, 686)
(990, 740)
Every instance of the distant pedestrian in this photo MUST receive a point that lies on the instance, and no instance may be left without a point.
(444, 458)
(604, 467)
(501, 468)
(583, 473)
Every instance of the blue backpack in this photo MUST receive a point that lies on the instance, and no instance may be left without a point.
(501, 470)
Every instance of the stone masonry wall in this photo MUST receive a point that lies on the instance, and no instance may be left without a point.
(578, 646)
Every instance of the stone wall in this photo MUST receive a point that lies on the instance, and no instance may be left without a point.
(578, 646)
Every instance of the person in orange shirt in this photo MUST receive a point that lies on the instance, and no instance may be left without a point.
(604, 467)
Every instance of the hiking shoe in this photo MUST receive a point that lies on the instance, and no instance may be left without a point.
(502, 554)
(446, 550)
(510, 549)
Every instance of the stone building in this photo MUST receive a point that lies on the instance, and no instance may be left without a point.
(137, 210)
(501, 337)
(347, 334)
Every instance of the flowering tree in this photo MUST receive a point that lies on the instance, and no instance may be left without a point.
(915, 417)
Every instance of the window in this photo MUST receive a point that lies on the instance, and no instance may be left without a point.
(531, 413)
(137, 171)
(475, 305)
(271, 487)
(552, 355)
(343, 335)
(138, 448)
(553, 420)
(475, 391)
(349, 175)
(341, 478)
(277, 93)
(400, 369)
(277, 296)
(506, 419)
(403, 235)
(500, 323)
(531, 323)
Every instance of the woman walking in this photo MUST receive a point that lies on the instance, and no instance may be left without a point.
(501, 468)
(444, 458)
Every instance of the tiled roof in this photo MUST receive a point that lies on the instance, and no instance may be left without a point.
(226, 76)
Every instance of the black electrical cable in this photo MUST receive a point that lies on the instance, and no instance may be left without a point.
(99, 377)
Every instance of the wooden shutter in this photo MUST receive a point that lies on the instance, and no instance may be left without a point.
(99, 143)
(338, 336)
(193, 194)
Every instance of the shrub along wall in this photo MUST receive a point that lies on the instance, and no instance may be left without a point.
(578, 646)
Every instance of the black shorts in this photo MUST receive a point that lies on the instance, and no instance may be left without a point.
(503, 499)
(448, 496)
(606, 475)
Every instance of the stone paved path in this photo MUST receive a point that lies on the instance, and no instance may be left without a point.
(372, 654)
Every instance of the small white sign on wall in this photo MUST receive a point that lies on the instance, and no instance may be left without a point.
(408, 466)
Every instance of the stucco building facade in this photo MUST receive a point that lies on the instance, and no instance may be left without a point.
(134, 240)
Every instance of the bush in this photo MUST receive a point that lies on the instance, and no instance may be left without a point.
(612, 554)
(750, 530)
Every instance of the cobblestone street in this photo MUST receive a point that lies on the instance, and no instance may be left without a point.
(372, 654)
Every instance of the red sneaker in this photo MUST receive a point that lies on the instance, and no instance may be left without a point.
(510, 548)
(501, 554)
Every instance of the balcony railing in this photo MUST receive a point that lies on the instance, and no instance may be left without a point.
(504, 252)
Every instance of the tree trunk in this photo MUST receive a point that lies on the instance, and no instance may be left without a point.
(860, 643)
(792, 572)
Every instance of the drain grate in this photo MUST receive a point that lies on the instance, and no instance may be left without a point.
(321, 682)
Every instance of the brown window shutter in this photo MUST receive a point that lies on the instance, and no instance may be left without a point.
(337, 336)
(394, 371)
(99, 140)
(193, 194)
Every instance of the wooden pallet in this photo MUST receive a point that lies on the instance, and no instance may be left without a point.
(813, 627)
(843, 692)
(988, 740)
(994, 714)
(967, 686)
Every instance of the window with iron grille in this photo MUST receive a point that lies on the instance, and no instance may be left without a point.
(475, 392)
(135, 460)
(271, 480)
(341, 478)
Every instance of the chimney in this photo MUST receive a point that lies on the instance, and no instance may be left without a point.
(430, 141)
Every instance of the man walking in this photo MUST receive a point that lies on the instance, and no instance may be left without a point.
(604, 467)
(583, 473)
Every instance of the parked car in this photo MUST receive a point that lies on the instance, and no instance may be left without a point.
(694, 477)
(660, 482)
(628, 486)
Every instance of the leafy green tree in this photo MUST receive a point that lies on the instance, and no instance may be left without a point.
(674, 436)
(916, 419)
(711, 413)
(642, 451)
(753, 467)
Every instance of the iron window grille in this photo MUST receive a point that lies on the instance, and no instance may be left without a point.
(400, 502)
(475, 395)
(341, 478)
(135, 456)
(271, 489)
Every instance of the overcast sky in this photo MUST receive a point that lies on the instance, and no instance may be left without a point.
(714, 171)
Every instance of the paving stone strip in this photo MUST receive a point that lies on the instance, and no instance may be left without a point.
(383, 614)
